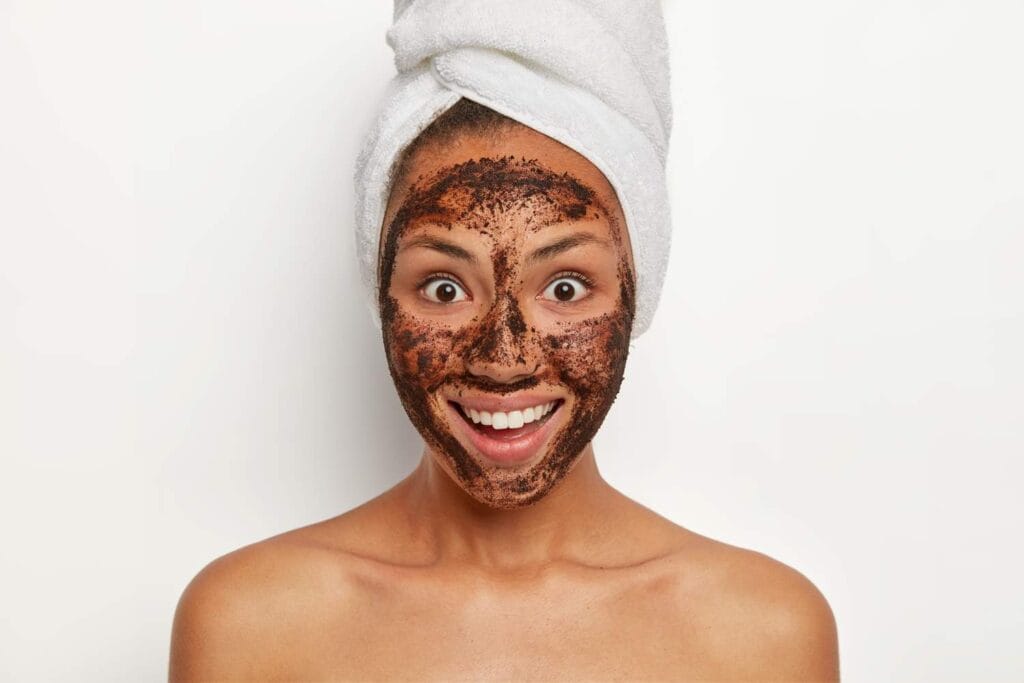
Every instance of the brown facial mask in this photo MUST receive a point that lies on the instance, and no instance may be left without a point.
(585, 358)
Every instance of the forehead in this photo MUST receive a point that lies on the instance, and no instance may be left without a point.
(500, 173)
(502, 198)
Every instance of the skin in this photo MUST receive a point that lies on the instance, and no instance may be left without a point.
(467, 571)
(506, 332)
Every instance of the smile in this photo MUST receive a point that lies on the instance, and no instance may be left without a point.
(513, 419)
(507, 437)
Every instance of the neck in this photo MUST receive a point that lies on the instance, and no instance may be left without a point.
(566, 524)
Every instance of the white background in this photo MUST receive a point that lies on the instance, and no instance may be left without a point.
(833, 377)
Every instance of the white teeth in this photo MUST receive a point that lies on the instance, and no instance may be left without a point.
(513, 419)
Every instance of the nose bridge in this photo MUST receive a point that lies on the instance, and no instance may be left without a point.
(501, 347)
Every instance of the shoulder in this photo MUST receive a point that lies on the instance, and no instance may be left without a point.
(248, 613)
(785, 618)
(758, 617)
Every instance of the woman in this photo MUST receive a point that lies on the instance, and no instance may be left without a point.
(508, 290)
(509, 298)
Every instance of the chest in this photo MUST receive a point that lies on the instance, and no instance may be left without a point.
(573, 635)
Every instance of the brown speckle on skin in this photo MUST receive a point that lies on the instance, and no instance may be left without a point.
(587, 357)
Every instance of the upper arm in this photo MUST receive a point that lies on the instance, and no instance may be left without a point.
(220, 629)
(791, 629)
(802, 635)
(204, 621)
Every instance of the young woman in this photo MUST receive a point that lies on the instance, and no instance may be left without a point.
(507, 297)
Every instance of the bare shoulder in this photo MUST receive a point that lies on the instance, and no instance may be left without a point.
(254, 613)
(754, 617)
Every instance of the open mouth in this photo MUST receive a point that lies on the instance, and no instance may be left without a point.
(508, 425)
(511, 436)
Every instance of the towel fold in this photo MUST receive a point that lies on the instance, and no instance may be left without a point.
(592, 74)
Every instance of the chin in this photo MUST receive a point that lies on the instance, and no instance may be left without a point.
(502, 492)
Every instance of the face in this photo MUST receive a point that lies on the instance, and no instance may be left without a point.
(507, 303)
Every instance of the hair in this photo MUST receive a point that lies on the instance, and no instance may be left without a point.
(465, 116)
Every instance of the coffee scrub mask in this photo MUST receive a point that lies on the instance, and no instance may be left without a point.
(439, 350)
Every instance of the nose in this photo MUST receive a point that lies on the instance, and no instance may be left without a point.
(500, 353)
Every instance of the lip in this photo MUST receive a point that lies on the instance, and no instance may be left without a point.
(504, 451)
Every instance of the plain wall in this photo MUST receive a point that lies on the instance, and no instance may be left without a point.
(833, 377)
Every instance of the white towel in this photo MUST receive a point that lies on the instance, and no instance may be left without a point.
(592, 74)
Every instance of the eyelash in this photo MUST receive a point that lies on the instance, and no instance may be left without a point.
(576, 274)
(438, 276)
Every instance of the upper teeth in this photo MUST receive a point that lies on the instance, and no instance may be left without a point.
(511, 420)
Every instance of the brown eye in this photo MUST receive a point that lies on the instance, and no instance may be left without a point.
(566, 289)
(444, 291)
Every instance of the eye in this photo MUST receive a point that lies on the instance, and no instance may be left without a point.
(443, 290)
(567, 288)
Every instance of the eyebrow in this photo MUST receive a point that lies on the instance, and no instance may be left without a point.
(443, 246)
(565, 244)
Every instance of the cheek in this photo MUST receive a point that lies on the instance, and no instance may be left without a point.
(420, 353)
(589, 357)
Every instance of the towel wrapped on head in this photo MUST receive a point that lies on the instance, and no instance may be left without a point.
(592, 74)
